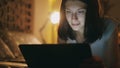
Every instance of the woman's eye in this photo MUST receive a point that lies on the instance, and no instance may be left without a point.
(67, 11)
(81, 11)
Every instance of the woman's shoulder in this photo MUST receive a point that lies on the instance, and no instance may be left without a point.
(110, 27)
(109, 20)
(110, 24)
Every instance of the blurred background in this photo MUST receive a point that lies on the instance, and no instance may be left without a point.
(31, 16)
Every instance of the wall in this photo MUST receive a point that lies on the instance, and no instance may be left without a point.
(40, 15)
(16, 15)
(43, 28)
(115, 10)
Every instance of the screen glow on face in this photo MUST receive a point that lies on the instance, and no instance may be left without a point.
(75, 14)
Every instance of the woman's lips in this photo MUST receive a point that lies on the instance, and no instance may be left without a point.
(76, 24)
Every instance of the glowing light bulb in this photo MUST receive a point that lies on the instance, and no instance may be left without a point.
(55, 17)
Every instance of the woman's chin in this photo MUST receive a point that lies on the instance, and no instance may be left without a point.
(75, 29)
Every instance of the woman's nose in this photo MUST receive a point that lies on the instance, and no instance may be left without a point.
(74, 16)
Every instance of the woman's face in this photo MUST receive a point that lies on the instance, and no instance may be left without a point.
(75, 12)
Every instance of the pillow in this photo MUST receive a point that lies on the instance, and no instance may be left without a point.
(5, 52)
(14, 38)
(5, 36)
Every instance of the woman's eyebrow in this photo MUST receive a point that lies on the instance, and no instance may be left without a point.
(77, 9)
(82, 9)
(67, 9)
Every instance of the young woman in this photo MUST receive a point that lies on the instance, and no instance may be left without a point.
(81, 22)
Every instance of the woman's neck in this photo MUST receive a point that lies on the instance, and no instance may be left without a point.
(80, 37)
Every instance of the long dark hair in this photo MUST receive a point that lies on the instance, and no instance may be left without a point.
(93, 23)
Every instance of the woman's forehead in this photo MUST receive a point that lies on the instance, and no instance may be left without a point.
(74, 3)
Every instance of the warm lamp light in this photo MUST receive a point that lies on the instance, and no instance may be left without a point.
(55, 17)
